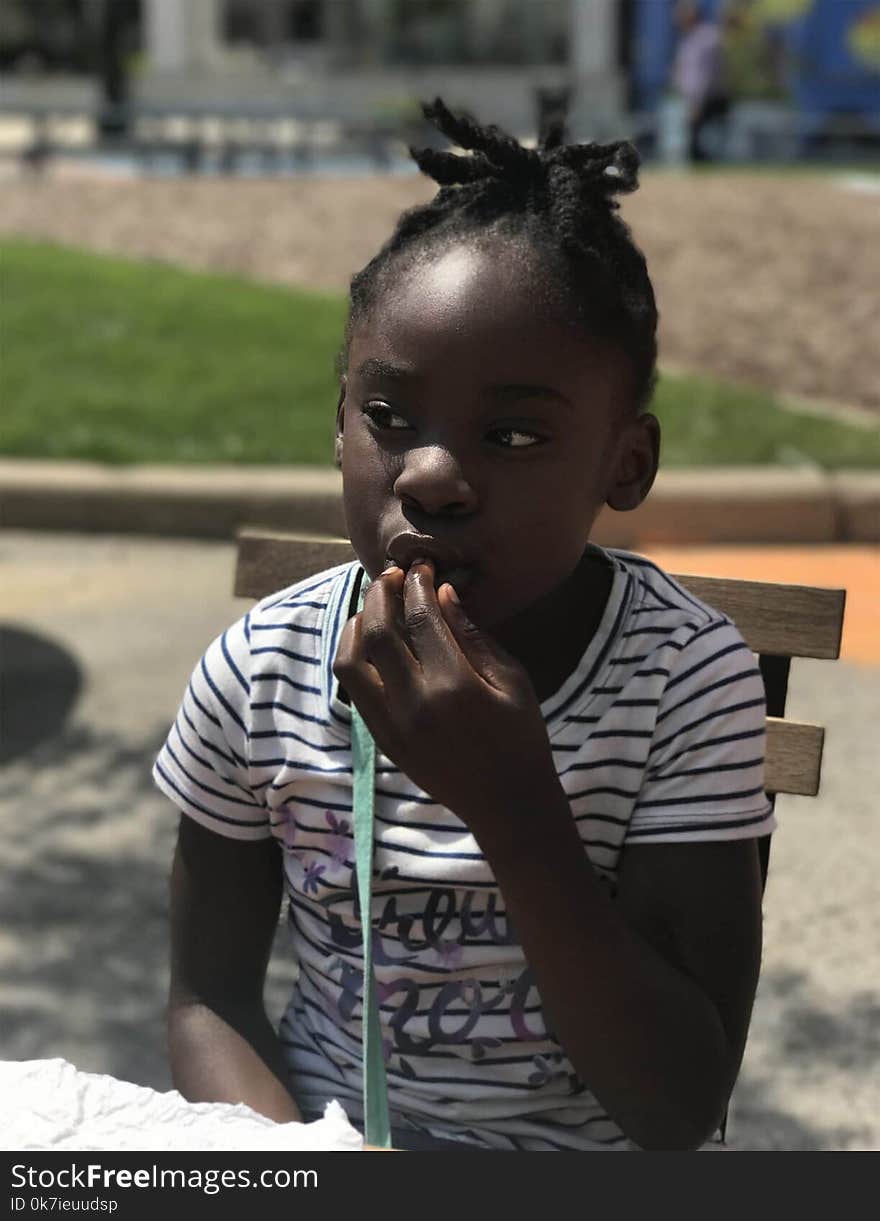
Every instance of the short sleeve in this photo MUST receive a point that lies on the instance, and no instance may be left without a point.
(705, 773)
(204, 765)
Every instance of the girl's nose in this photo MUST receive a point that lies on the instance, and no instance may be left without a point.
(432, 480)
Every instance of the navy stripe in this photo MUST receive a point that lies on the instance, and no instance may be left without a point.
(296, 603)
(664, 631)
(591, 815)
(205, 763)
(237, 759)
(247, 627)
(276, 649)
(696, 695)
(286, 600)
(310, 801)
(204, 741)
(662, 603)
(621, 733)
(287, 627)
(242, 681)
(201, 707)
(737, 647)
(608, 789)
(264, 705)
(282, 678)
(591, 764)
(717, 824)
(640, 562)
(721, 741)
(218, 694)
(711, 716)
(206, 788)
(235, 822)
(710, 771)
(696, 799)
(258, 734)
(295, 765)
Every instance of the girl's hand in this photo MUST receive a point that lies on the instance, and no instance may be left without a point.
(451, 708)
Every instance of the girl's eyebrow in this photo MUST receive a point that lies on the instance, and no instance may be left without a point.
(521, 390)
(373, 367)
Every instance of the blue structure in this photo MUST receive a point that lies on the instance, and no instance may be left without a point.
(832, 52)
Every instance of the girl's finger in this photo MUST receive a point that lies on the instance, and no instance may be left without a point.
(431, 640)
(360, 679)
(382, 633)
(487, 658)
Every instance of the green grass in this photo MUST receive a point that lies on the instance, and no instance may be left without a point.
(139, 362)
(134, 362)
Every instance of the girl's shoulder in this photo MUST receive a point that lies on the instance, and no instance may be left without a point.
(291, 628)
(658, 595)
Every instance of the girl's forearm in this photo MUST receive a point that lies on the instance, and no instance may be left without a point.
(234, 1059)
(644, 1038)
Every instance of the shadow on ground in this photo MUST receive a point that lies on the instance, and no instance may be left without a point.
(41, 682)
(84, 906)
(807, 1042)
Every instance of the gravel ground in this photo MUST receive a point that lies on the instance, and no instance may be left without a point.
(770, 279)
(108, 634)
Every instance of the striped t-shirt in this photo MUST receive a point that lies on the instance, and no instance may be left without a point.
(658, 735)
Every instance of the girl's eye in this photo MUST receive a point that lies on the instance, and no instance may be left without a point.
(381, 415)
(515, 438)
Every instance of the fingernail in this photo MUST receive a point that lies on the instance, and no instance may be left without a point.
(453, 594)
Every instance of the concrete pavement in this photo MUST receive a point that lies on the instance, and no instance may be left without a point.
(101, 635)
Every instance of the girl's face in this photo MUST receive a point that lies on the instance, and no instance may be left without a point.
(478, 430)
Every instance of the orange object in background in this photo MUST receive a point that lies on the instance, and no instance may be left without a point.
(853, 568)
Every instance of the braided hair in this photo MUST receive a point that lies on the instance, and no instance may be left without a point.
(560, 199)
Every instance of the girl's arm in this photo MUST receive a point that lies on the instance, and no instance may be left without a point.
(225, 899)
(651, 994)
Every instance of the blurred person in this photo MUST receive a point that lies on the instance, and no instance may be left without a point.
(698, 76)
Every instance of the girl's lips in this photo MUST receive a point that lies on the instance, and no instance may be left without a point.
(459, 576)
(449, 563)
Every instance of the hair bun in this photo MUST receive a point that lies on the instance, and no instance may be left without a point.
(601, 171)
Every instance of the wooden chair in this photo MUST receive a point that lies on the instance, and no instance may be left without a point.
(778, 623)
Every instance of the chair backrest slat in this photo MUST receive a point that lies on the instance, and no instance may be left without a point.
(267, 562)
(793, 757)
(784, 620)
(787, 620)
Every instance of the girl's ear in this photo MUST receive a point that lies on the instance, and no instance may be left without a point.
(340, 425)
(637, 457)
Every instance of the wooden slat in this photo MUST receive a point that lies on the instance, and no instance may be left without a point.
(794, 750)
(794, 757)
(267, 562)
(786, 620)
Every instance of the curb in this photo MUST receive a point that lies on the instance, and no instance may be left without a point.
(709, 505)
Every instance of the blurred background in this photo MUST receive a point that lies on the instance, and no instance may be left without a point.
(185, 191)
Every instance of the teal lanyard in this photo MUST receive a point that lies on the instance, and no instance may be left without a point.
(363, 754)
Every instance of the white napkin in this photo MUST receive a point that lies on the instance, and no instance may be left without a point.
(49, 1104)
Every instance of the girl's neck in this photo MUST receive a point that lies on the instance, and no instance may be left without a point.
(550, 637)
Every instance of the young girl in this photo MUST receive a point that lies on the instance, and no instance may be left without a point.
(569, 784)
